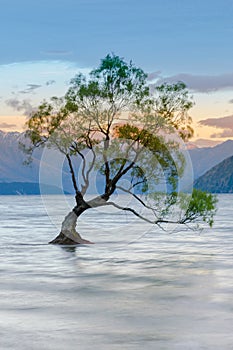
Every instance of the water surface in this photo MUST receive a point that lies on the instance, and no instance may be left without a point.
(157, 291)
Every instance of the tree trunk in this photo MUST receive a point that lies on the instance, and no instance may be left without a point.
(68, 234)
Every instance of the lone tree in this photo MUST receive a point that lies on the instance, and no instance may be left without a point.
(122, 130)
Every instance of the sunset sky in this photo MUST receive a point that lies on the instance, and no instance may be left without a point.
(45, 43)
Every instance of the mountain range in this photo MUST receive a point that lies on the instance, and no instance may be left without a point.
(203, 159)
(19, 178)
(218, 179)
(46, 169)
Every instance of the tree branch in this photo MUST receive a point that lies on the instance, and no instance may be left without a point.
(137, 198)
(130, 210)
(156, 222)
(72, 174)
(85, 187)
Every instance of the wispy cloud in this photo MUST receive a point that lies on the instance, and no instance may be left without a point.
(23, 106)
(30, 88)
(224, 123)
(202, 83)
(50, 82)
(7, 126)
(225, 133)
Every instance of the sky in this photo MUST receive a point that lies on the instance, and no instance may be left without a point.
(45, 43)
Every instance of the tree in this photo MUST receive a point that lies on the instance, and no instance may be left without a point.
(122, 130)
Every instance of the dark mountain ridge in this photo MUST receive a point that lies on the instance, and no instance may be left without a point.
(12, 169)
(218, 179)
(203, 159)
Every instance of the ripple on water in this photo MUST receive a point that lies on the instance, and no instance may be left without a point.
(158, 291)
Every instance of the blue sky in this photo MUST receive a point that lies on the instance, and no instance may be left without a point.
(44, 43)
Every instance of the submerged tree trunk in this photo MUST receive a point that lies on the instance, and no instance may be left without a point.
(68, 234)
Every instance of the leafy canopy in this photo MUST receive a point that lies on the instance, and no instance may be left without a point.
(126, 127)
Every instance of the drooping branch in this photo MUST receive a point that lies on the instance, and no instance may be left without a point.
(131, 211)
(137, 198)
(153, 222)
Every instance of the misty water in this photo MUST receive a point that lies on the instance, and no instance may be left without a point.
(137, 287)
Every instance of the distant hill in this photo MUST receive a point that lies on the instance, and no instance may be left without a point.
(13, 170)
(203, 159)
(27, 188)
(218, 179)
(11, 160)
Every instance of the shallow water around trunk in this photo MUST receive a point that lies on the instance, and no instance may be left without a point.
(136, 288)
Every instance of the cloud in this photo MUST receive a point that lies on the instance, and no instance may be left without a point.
(202, 83)
(50, 82)
(231, 101)
(225, 133)
(21, 106)
(30, 88)
(225, 123)
(7, 126)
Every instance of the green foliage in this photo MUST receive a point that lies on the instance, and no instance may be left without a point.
(128, 129)
(118, 79)
(113, 87)
(45, 121)
(202, 205)
(159, 151)
(172, 103)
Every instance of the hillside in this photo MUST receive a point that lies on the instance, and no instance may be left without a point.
(13, 170)
(11, 160)
(203, 159)
(218, 179)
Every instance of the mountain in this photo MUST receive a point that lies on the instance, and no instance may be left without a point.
(11, 160)
(205, 158)
(200, 143)
(51, 169)
(47, 168)
(218, 179)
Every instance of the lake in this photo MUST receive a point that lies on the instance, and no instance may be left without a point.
(137, 288)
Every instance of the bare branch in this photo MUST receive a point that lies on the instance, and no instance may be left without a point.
(137, 198)
(130, 210)
(91, 166)
(72, 174)
(156, 222)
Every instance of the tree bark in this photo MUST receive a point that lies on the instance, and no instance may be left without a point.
(68, 234)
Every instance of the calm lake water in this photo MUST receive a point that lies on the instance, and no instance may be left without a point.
(136, 288)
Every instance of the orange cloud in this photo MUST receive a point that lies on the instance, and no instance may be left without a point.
(12, 123)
